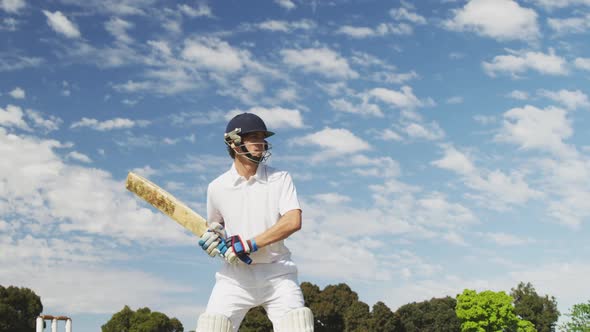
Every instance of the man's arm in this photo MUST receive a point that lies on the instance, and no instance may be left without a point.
(288, 224)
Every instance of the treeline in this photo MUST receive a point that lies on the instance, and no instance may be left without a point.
(337, 308)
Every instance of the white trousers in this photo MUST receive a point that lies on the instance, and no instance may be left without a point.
(277, 296)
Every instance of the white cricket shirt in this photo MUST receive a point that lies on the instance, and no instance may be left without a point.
(249, 207)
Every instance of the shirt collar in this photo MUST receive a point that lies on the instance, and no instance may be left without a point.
(236, 178)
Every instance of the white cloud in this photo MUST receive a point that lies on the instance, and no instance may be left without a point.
(322, 61)
(495, 189)
(146, 171)
(287, 4)
(12, 116)
(61, 24)
(566, 180)
(455, 161)
(105, 288)
(389, 135)
(430, 131)
(331, 198)
(284, 26)
(484, 119)
(75, 155)
(571, 99)
(17, 93)
(161, 46)
(252, 84)
(172, 23)
(364, 108)
(500, 190)
(403, 99)
(9, 24)
(287, 95)
(518, 63)
(481, 17)
(196, 118)
(382, 29)
(203, 10)
(518, 95)
(274, 118)
(539, 129)
(106, 56)
(437, 207)
(116, 7)
(48, 192)
(10, 62)
(340, 222)
(582, 63)
(403, 14)
(356, 32)
(506, 239)
(455, 100)
(396, 78)
(334, 142)
(570, 25)
(214, 54)
(562, 279)
(132, 86)
(118, 27)
(49, 124)
(12, 6)
(378, 167)
(116, 123)
(553, 4)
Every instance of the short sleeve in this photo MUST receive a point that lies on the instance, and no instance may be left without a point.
(213, 214)
(288, 199)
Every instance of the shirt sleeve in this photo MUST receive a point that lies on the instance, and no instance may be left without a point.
(288, 200)
(213, 214)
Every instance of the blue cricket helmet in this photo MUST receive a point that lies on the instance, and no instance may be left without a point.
(247, 123)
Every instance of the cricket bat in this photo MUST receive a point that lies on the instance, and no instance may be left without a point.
(165, 202)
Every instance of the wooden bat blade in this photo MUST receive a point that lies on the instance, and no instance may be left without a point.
(165, 202)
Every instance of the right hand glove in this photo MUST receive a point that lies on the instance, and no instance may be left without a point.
(235, 248)
(211, 239)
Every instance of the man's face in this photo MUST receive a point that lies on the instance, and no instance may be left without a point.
(254, 142)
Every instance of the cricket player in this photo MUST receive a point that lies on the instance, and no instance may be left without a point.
(251, 209)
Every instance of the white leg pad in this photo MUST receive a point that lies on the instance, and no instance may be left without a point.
(297, 320)
(214, 323)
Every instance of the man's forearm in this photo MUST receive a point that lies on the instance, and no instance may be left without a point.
(288, 224)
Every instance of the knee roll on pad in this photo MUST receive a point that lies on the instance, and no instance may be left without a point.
(297, 320)
(214, 323)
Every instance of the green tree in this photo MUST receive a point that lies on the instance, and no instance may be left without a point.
(357, 318)
(579, 319)
(142, 320)
(382, 318)
(541, 311)
(256, 320)
(489, 311)
(437, 314)
(330, 307)
(19, 308)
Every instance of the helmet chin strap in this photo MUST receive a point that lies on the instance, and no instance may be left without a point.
(257, 160)
(234, 140)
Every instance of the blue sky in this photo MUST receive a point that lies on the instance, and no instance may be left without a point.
(435, 145)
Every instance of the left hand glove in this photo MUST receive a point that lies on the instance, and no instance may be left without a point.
(235, 247)
(212, 238)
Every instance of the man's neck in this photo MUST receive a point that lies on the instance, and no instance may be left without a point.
(245, 168)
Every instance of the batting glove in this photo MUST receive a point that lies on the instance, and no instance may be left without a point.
(236, 248)
(212, 239)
